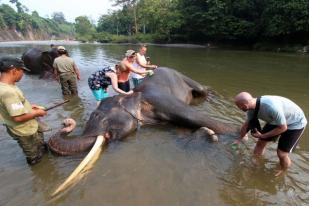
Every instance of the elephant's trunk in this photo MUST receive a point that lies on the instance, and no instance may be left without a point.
(62, 146)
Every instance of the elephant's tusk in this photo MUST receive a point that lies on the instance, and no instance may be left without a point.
(91, 155)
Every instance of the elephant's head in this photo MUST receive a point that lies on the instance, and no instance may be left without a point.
(116, 117)
(48, 58)
(40, 62)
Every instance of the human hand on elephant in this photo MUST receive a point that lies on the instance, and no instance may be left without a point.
(129, 92)
(149, 73)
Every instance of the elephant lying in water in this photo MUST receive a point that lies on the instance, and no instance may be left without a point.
(163, 97)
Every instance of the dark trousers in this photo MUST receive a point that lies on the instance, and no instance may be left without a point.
(68, 83)
(33, 146)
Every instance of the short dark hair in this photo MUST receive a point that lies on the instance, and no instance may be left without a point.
(62, 52)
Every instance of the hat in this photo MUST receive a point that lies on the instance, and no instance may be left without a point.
(130, 52)
(7, 63)
(61, 48)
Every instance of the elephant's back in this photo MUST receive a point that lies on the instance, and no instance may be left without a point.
(165, 81)
(165, 77)
(31, 53)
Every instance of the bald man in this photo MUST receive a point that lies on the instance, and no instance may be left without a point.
(282, 117)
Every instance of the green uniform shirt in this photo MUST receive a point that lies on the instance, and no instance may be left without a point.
(64, 64)
(13, 103)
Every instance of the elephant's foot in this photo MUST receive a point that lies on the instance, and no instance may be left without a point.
(208, 132)
(69, 125)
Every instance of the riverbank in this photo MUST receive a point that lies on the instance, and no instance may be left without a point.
(42, 42)
(28, 35)
(291, 48)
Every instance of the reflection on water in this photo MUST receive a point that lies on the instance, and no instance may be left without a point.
(165, 165)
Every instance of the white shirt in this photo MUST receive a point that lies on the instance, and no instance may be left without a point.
(278, 110)
(142, 60)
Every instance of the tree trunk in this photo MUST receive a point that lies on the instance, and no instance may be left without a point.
(135, 19)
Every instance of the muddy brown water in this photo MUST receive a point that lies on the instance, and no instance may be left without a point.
(164, 165)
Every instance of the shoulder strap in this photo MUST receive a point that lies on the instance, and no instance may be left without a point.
(254, 122)
(257, 107)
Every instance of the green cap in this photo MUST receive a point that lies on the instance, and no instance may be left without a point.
(7, 63)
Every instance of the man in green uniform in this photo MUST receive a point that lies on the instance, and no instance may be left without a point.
(17, 113)
(66, 72)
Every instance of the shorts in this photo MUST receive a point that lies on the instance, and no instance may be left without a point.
(136, 81)
(288, 139)
(100, 94)
(124, 86)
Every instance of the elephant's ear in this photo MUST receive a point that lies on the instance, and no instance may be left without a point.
(131, 102)
(46, 57)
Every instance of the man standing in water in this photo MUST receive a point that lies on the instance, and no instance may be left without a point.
(66, 71)
(283, 118)
(141, 64)
(17, 113)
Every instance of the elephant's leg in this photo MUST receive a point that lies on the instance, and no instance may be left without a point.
(205, 131)
(170, 109)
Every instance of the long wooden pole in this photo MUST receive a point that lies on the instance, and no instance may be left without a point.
(72, 178)
(56, 105)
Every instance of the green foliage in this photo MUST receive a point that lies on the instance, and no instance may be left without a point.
(58, 17)
(241, 21)
(118, 22)
(22, 21)
(161, 17)
(2, 22)
(67, 28)
(85, 30)
(103, 37)
(9, 15)
(144, 37)
(121, 39)
(283, 18)
(199, 21)
(20, 8)
(83, 25)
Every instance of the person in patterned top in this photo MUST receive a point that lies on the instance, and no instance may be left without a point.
(101, 79)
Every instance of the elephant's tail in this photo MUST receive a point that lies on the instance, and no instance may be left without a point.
(69, 146)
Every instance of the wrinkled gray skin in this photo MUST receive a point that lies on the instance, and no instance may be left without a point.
(40, 62)
(162, 98)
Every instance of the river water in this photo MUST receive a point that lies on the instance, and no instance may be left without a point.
(164, 165)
